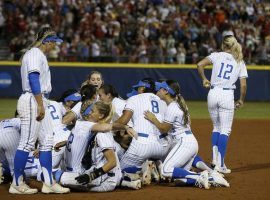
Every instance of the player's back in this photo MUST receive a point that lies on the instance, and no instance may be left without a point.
(226, 70)
(57, 111)
(138, 105)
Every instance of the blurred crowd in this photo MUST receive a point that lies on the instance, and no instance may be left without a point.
(143, 31)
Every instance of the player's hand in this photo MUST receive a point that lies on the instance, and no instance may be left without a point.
(86, 178)
(206, 83)
(40, 112)
(59, 145)
(149, 116)
(238, 104)
(131, 132)
(36, 153)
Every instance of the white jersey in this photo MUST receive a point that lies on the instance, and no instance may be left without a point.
(175, 116)
(76, 145)
(226, 70)
(77, 110)
(118, 106)
(138, 105)
(10, 123)
(34, 60)
(104, 141)
(57, 111)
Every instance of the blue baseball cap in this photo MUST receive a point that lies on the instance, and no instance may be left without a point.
(165, 86)
(132, 93)
(142, 84)
(73, 97)
(52, 38)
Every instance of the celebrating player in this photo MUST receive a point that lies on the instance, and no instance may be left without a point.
(35, 119)
(228, 66)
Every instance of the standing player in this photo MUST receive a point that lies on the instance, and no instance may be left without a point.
(228, 66)
(35, 120)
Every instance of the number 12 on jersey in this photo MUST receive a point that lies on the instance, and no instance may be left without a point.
(225, 74)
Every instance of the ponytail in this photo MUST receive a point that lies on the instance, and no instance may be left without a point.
(230, 44)
(181, 102)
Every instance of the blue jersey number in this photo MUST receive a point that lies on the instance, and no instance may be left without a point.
(53, 112)
(69, 142)
(155, 108)
(228, 70)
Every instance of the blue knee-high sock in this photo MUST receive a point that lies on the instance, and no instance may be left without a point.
(196, 160)
(19, 165)
(182, 173)
(45, 159)
(222, 146)
(132, 170)
(215, 136)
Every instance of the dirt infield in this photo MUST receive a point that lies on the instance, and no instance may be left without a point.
(247, 156)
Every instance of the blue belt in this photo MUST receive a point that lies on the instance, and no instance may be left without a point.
(188, 132)
(212, 87)
(8, 126)
(69, 168)
(146, 135)
(111, 174)
(46, 95)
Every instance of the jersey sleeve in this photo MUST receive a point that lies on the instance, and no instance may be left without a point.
(33, 60)
(76, 110)
(213, 57)
(105, 141)
(131, 104)
(243, 71)
(170, 115)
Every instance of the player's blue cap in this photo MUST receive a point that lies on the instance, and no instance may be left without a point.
(52, 38)
(73, 97)
(88, 109)
(165, 86)
(132, 93)
(142, 84)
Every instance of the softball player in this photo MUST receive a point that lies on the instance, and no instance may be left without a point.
(33, 111)
(94, 78)
(110, 171)
(151, 143)
(184, 145)
(228, 66)
(87, 92)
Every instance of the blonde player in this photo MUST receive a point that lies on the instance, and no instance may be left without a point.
(228, 66)
(34, 115)
(105, 173)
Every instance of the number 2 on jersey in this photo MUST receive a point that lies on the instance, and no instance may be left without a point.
(53, 112)
(155, 108)
(228, 70)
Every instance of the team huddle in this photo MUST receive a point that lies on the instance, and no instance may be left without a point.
(93, 140)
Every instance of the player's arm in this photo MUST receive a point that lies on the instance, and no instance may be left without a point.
(111, 160)
(163, 127)
(200, 66)
(69, 118)
(36, 90)
(125, 118)
(243, 91)
(104, 127)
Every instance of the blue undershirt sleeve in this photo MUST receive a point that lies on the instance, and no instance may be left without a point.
(34, 82)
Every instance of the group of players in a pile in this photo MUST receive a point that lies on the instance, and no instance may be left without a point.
(102, 142)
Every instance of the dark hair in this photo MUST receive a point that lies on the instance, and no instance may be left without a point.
(174, 85)
(44, 32)
(151, 82)
(88, 92)
(109, 89)
(66, 94)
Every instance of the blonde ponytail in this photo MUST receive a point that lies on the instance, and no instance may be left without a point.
(231, 45)
(181, 102)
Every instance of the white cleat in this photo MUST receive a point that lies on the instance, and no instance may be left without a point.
(136, 185)
(223, 170)
(22, 189)
(55, 188)
(132, 177)
(146, 170)
(202, 180)
(218, 179)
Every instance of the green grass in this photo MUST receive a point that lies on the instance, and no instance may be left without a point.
(198, 109)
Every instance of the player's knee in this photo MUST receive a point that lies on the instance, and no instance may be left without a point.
(165, 169)
(26, 147)
(47, 147)
(226, 131)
